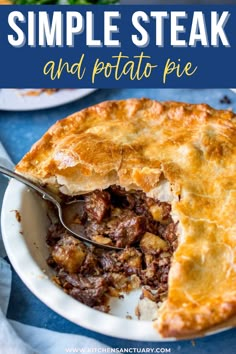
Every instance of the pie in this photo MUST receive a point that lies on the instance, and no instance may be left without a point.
(176, 162)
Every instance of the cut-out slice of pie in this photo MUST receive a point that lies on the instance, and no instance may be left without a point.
(179, 153)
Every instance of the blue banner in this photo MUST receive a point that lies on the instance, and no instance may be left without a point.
(117, 46)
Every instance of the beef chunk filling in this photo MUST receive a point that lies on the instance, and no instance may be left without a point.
(126, 229)
(89, 290)
(125, 219)
(122, 218)
(97, 205)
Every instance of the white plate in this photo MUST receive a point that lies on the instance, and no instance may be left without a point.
(18, 100)
(26, 248)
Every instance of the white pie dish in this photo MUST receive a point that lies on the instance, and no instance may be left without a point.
(33, 99)
(25, 244)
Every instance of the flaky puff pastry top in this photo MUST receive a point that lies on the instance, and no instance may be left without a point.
(183, 150)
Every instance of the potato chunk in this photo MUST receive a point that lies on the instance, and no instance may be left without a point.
(102, 240)
(151, 243)
(131, 260)
(69, 253)
(161, 212)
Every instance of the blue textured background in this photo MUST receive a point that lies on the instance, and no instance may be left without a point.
(18, 131)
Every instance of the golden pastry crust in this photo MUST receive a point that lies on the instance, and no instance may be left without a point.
(5, 2)
(140, 143)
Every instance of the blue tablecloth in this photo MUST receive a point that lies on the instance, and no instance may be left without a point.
(18, 131)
